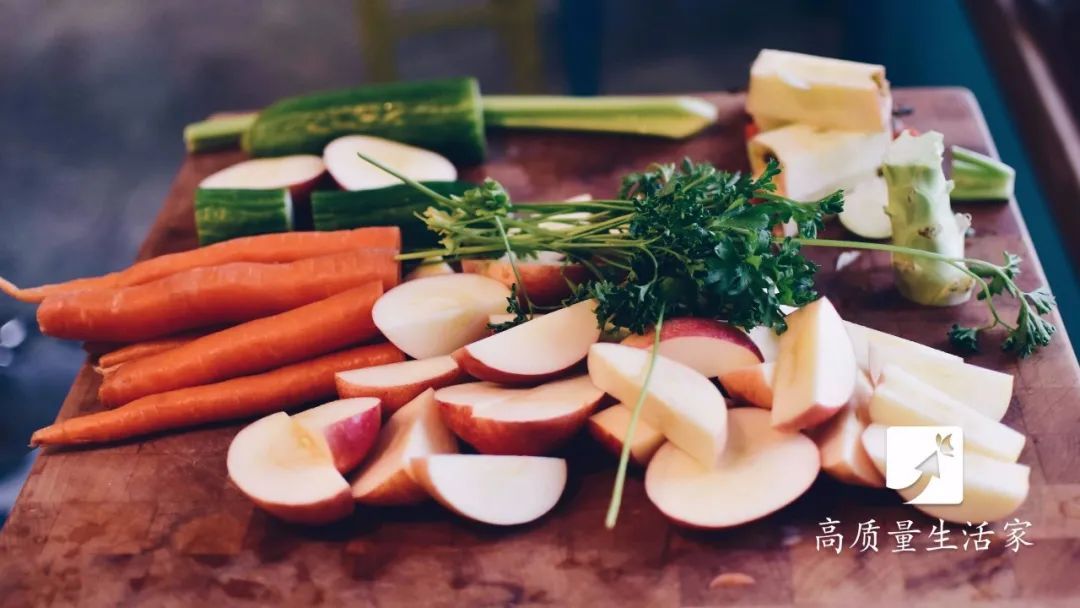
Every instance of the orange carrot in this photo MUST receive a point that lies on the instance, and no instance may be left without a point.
(214, 295)
(283, 388)
(265, 248)
(256, 346)
(139, 350)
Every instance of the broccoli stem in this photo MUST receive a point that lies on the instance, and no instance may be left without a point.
(923, 219)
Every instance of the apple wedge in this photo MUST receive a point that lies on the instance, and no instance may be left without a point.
(751, 384)
(352, 173)
(413, 431)
(497, 490)
(862, 336)
(985, 390)
(609, 428)
(346, 429)
(288, 472)
(299, 173)
(546, 279)
(762, 471)
(993, 489)
(710, 347)
(437, 315)
(840, 441)
(679, 402)
(901, 399)
(529, 422)
(396, 384)
(537, 350)
(815, 369)
(767, 342)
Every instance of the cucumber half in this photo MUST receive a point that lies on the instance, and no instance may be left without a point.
(223, 214)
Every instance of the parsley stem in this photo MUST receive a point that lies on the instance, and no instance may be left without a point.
(624, 456)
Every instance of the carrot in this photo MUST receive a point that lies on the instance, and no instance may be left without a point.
(256, 346)
(214, 295)
(247, 397)
(139, 350)
(265, 248)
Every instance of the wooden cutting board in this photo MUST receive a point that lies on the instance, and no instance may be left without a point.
(157, 522)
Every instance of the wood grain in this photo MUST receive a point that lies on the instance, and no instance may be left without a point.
(157, 523)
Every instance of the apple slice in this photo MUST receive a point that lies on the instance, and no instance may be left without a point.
(398, 383)
(535, 351)
(679, 402)
(984, 390)
(993, 489)
(762, 471)
(609, 428)
(546, 278)
(352, 173)
(751, 384)
(299, 173)
(288, 472)
(840, 440)
(767, 341)
(413, 431)
(497, 490)
(346, 428)
(901, 399)
(429, 267)
(815, 370)
(862, 336)
(437, 315)
(710, 347)
(521, 422)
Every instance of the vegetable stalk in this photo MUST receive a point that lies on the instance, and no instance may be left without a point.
(978, 177)
(672, 117)
(922, 219)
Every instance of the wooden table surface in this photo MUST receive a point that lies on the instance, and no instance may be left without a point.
(158, 523)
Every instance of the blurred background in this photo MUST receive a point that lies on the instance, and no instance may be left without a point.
(94, 95)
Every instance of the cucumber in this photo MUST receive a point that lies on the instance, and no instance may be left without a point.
(390, 206)
(445, 116)
(222, 214)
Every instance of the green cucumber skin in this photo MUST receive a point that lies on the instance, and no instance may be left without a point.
(445, 116)
(390, 206)
(223, 214)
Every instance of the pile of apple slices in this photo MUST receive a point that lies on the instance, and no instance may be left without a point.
(824, 392)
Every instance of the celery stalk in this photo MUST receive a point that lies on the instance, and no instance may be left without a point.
(979, 177)
(671, 117)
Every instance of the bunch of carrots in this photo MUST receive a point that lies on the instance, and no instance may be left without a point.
(234, 330)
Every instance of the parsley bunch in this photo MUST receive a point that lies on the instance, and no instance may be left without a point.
(689, 239)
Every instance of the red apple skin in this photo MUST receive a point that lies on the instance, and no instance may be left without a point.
(351, 439)
(747, 385)
(393, 397)
(696, 327)
(481, 371)
(544, 282)
(514, 438)
(328, 511)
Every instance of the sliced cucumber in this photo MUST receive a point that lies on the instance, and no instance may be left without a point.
(864, 209)
(222, 214)
(389, 206)
(353, 173)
